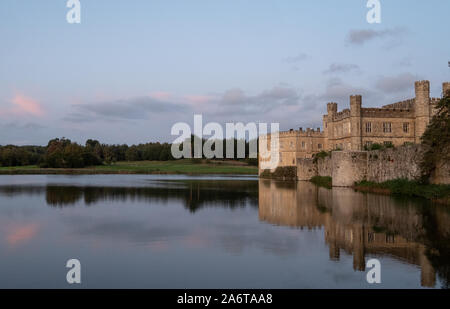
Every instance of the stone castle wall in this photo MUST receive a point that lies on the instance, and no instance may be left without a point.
(325, 167)
(348, 167)
(306, 169)
(395, 163)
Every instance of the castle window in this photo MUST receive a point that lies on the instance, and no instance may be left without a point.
(368, 127)
(387, 144)
(368, 144)
(303, 145)
(406, 127)
(387, 127)
(319, 146)
(390, 239)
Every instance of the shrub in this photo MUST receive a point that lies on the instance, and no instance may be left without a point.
(322, 181)
(320, 155)
(436, 139)
(285, 172)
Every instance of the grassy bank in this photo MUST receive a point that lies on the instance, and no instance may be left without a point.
(320, 181)
(142, 167)
(437, 193)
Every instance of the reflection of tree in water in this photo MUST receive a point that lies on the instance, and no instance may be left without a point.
(195, 194)
(62, 196)
(437, 241)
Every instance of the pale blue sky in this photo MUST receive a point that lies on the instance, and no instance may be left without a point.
(131, 69)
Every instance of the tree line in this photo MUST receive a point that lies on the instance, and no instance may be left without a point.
(64, 153)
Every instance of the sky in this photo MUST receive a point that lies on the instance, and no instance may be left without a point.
(132, 69)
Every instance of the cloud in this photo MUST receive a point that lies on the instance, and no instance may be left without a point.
(394, 84)
(341, 68)
(360, 37)
(336, 90)
(25, 126)
(23, 105)
(405, 62)
(161, 95)
(80, 117)
(295, 59)
(237, 101)
(128, 109)
(27, 105)
(198, 99)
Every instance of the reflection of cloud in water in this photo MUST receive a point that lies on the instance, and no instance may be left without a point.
(217, 219)
(17, 234)
(123, 229)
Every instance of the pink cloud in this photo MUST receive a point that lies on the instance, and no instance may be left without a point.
(198, 99)
(26, 105)
(160, 95)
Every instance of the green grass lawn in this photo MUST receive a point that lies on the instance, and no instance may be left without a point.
(13, 168)
(143, 167)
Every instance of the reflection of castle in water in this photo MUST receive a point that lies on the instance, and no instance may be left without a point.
(358, 223)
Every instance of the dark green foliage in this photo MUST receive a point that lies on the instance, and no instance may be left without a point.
(19, 156)
(320, 155)
(375, 146)
(325, 182)
(410, 188)
(63, 153)
(252, 161)
(285, 172)
(436, 139)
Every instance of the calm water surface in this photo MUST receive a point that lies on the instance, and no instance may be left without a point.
(140, 231)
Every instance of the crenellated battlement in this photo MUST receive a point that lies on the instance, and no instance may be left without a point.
(342, 115)
(434, 100)
(356, 127)
(387, 113)
(302, 133)
(406, 104)
(422, 85)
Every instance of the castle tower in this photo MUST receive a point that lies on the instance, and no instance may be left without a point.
(328, 124)
(446, 88)
(355, 119)
(427, 274)
(359, 262)
(422, 108)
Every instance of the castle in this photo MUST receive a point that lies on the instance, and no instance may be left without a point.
(355, 128)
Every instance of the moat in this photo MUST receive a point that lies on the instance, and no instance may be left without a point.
(153, 231)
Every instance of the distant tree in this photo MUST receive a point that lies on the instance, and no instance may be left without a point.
(73, 156)
(132, 154)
